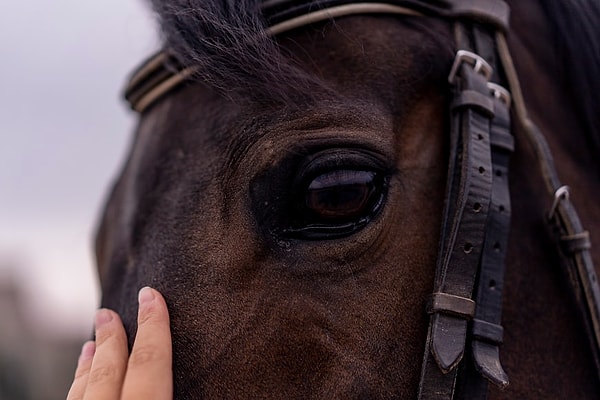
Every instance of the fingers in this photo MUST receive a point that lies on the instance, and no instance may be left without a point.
(149, 372)
(106, 371)
(82, 372)
(109, 363)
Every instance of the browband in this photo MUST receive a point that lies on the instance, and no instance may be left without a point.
(163, 72)
(490, 12)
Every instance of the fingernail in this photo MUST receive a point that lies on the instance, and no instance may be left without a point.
(87, 351)
(145, 296)
(103, 317)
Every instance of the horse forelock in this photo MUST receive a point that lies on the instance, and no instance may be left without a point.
(226, 42)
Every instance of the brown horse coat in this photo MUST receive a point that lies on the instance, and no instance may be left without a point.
(202, 205)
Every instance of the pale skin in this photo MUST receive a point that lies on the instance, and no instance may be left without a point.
(106, 370)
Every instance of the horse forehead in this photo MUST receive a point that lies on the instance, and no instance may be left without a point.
(372, 69)
(376, 44)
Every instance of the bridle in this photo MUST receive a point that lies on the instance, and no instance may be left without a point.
(462, 348)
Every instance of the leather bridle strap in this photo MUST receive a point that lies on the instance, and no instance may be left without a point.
(163, 72)
(491, 12)
(486, 333)
(573, 239)
(486, 329)
(468, 199)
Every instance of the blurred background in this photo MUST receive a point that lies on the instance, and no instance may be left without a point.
(64, 134)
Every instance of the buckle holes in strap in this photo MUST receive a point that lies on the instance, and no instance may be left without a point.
(501, 208)
(481, 170)
(492, 284)
(477, 207)
(468, 247)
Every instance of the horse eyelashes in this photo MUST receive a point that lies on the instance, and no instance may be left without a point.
(341, 195)
(337, 203)
(336, 194)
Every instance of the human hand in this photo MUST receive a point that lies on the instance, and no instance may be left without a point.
(105, 370)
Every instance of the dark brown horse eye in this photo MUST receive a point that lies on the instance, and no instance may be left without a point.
(342, 195)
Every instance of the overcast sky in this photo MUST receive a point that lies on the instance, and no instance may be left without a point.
(64, 132)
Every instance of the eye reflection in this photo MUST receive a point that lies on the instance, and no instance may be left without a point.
(342, 195)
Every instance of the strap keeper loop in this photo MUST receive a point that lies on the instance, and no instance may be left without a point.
(576, 242)
(487, 332)
(457, 306)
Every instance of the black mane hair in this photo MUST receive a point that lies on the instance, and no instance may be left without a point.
(576, 28)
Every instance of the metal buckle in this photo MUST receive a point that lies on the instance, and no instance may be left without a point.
(500, 93)
(479, 65)
(562, 193)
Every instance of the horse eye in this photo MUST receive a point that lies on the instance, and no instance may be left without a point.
(334, 194)
(342, 196)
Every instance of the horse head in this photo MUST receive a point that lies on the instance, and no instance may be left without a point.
(287, 201)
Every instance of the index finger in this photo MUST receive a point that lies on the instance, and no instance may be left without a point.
(149, 371)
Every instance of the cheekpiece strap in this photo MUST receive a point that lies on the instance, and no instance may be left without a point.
(486, 328)
(468, 200)
(480, 111)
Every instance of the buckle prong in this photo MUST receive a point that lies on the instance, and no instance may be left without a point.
(562, 193)
(500, 93)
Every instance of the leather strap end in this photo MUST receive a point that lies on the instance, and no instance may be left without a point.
(448, 341)
(487, 362)
(449, 331)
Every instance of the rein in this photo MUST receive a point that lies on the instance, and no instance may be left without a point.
(465, 332)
